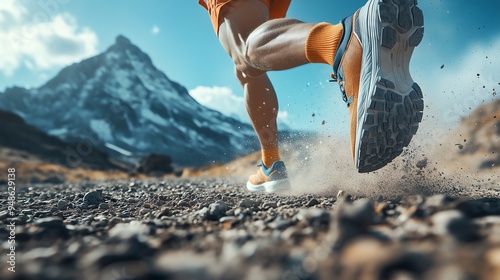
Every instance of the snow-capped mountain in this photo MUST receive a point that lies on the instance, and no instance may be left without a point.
(118, 101)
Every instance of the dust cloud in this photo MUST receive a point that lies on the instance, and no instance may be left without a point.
(324, 165)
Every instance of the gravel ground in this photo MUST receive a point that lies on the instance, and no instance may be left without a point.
(214, 229)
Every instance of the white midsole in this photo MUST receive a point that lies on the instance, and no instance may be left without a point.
(270, 187)
(369, 61)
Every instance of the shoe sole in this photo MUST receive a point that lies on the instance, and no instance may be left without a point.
(278, 186)
(392, 108)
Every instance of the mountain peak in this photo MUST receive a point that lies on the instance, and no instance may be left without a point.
(124, 45)
(122, 100)
(122, 40)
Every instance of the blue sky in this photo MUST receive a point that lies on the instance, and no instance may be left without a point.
(46, 35)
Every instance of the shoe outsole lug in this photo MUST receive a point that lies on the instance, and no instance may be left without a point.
(385, 83)
(416, 38)
(389, 37)
(393, 112)
(418, 16)
(387, 12)
(404, 19)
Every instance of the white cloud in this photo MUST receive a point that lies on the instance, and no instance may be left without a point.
(42, 39)
(9, 8)
(223, 99)
(155, 30)
(283, 116)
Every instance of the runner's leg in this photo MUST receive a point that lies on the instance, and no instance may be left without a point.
(239, 20)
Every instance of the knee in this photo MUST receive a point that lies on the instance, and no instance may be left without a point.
(248, 63)
(244, 77)
(252, 50)
(244, 71)
(243, 66)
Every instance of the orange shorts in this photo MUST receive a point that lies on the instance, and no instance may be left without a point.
(277, 9)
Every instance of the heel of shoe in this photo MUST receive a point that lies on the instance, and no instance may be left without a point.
(278, 187)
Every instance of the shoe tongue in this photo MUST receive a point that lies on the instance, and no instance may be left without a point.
(339, 53)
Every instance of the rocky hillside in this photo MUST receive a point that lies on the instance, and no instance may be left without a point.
(477, 139)
(483, 134)
(18, 135)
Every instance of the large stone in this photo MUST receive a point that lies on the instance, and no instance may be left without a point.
(155, 164)
(51, 227)
(351, 219)
(315, 217)
(454, 224)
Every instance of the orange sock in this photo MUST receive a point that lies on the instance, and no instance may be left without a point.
(322, 42)
(269, 156)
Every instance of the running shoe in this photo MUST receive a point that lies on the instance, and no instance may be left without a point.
(272, 180)
(371, 65)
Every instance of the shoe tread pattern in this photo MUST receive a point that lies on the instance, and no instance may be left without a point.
(393, 115)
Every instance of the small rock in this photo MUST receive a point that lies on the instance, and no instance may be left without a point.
(115, 220)
(216, 211)
(282, 203)
(421, 164)
(279, 224)
(107, 255)
(93, 197)
(246, 203)
(315, 217)
(41, 214)
(291, 233)
(312, 202)
(22, 219)
(340, 194)
(243, 213)
(270, 204)
(183, 203)
(125, 231)
(163, 212)
(62, 204)
(437, 201)
(413, 200)
(124, 214)
(228, 222)
(84, 206)
(103, 206)
(227, 218)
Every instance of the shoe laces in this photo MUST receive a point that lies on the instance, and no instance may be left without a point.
(341, 83)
